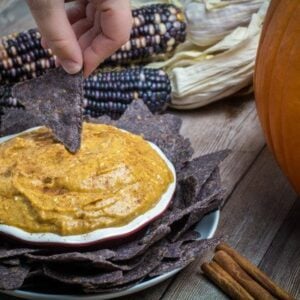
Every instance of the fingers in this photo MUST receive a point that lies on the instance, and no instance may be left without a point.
(76, 11)
(114, 23)
(92, 29)
(86, 34)
(81, 27)
(100, 49)
(79, 17)
(87, 38)
(56, 29)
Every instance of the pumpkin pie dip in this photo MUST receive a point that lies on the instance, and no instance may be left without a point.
(114, 177)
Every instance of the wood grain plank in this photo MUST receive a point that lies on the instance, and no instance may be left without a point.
(282, 260)
(250, 220)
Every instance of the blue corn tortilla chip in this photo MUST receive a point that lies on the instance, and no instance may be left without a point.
(173, 249)
(56, 101)
(77, 277)
(189, 252)
(12, 277)
(201, 168)
(74, 257)
(162, 130)
(140, 246)
(205, 206)
(10, 251)
(90, 260)
(11, 262)
(151, 261)
(16, 120)
(210, 186)
(114, 289)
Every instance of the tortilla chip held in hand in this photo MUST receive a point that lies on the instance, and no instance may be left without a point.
(55, 99)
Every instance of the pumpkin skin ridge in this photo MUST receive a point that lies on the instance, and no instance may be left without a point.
(283, 104)
(292, 174)
(283, 30)
(276, 121)
(264, 88)
(259, 58)
(277, 85)
(264, 63)
(270, 14)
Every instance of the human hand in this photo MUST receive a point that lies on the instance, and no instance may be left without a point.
(84, 35)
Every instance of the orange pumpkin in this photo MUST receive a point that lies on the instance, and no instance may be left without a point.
(277, 85)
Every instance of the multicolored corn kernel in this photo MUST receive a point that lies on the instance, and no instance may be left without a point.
(157, 31)
(110, 93)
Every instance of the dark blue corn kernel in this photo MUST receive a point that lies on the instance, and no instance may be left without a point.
(147, 18)
(43, 52)
(173, 32)
(135, 13)
(135, 53)
(157, 49)
(182, 38)
(133, 43)
(114, 96)
(10, 52)
(32, 32)
(10, 43)
(21, 48)
(183, 26)
(143, 30)
(135, 32)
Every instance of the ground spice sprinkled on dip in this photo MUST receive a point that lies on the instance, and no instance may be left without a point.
(115, 177)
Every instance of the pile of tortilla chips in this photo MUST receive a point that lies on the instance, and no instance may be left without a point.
(166, 244)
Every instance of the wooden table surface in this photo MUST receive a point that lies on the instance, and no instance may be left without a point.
(261, 216)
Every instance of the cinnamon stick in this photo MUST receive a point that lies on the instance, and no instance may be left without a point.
(225, 282)
(247, 282)
(256, 273)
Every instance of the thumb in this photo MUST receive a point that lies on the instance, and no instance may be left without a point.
(57, 32)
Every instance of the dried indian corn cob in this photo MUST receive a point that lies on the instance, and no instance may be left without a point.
(22, 57)
(111, 92)
(157, 30)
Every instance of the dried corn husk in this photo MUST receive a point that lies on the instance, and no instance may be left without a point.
(202, 74)
(228, 68)
(209, 25)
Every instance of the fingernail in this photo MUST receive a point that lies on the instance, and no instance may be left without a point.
(70, 67)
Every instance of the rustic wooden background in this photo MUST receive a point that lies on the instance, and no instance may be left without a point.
(261, 217)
